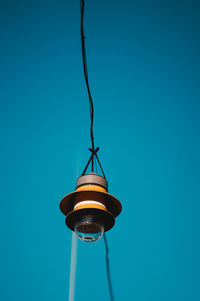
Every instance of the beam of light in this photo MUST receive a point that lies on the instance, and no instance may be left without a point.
(73, 268)
(72, 279)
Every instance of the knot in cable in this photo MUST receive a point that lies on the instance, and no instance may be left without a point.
(94, 150)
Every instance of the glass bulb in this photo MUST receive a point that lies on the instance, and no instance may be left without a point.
(88, 229)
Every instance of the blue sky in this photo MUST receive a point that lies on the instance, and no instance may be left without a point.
(143, 64)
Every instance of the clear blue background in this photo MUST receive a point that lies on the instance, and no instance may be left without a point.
(143, 64)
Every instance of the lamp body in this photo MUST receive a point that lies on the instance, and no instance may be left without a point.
(90, 207)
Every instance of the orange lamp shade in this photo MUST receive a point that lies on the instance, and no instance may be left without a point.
(90, 198)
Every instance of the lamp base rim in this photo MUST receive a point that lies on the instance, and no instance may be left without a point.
(105, 217)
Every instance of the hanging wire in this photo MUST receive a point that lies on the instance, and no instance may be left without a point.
(91, 106)
(108, 269)
(95, 164)
(94, 151)
(82, 4)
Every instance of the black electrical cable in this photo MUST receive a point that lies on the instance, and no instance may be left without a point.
(95, 164)
(94, 152)
(108, 269)
(86, 77)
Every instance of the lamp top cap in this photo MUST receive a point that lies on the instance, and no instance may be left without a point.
(93, 179)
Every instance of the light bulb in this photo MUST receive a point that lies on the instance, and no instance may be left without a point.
(89, 229)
